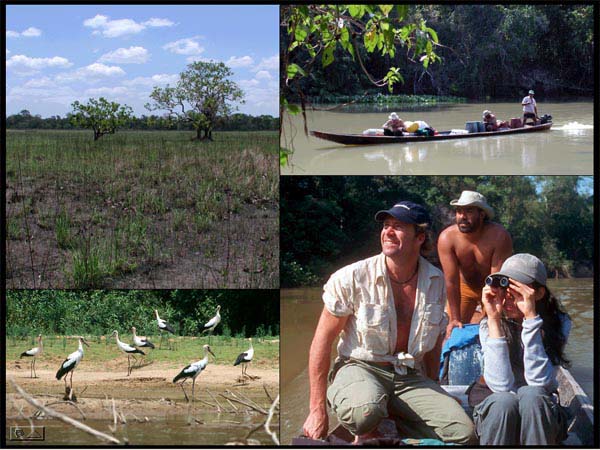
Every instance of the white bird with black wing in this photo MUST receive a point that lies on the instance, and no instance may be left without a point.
(129, 350)
(71, 363)
(140, 341)
(163, 326)
(34, 353)
(193, 370)
(244, 359)
(212, 323)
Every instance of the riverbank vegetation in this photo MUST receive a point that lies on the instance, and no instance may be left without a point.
(485, 52)
(327, 222)
(141, 210)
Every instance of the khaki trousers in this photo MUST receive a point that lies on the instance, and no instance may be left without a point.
(362, 393)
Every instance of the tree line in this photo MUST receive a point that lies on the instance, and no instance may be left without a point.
(244, 313)
(24, 120)
(481, 52)
(328, 222)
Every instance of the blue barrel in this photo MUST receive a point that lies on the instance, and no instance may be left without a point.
(471, 127)
(480, 127)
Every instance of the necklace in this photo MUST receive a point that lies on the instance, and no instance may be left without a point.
(405, 281)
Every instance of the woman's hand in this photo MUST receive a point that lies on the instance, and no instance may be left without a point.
(524, 296)
(492, 299)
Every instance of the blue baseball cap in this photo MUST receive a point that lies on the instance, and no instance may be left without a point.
(405, 211)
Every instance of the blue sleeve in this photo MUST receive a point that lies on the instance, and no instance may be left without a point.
(496, 361)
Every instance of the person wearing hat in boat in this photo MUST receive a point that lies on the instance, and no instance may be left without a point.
(388, 311)
(523, 339)
(394, 126)
(529, 108)
(491, 123)
(469, 250)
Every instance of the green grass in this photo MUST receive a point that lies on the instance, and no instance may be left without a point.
(131, 200)
(185, 349)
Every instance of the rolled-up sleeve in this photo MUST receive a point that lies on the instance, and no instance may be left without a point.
(337, 293)
(496, 361)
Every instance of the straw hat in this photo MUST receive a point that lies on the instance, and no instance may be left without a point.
(472, 198)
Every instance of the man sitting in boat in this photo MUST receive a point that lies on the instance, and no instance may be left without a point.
(388, 311)
(529, 108)
(523, 339)
(491, 123)
(394, 126)
(469, 250)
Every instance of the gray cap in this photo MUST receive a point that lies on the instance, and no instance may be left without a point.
(524, 268)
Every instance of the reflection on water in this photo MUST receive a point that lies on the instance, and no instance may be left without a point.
(212, 429)
(565, 149)
(300, 309)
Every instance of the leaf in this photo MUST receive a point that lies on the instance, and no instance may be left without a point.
(433, 34)
(300, 33)
(385, 9)
(356, 11)
(293, 109)
(294, 69)
(327, 57)
(370, 39)
(402, 10)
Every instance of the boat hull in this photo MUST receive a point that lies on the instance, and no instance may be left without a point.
(362, 139)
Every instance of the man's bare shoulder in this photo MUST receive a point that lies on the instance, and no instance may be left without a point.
(449, 233)
(496, 230)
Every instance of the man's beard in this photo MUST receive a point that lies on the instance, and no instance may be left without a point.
(466, 227)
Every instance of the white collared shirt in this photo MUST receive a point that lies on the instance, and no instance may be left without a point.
(363, 292)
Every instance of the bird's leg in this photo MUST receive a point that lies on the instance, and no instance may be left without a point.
(34, 372)
(184, 393)
(161, 339)
(193, 387)
(71, 388)
(31, 369)
(128, 365)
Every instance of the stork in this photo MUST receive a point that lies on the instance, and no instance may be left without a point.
(141, 341)
(70, 363)
(128, 350)
(244, 359)
(193, 370)
(33, 353)
(212, 323)
(163, 326)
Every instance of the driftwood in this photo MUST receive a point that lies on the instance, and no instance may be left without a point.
(249, 405)
(272, 409)
(64, 418)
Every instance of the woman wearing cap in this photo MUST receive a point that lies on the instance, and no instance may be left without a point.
(523, 339)
(529, 108)
(394, 126)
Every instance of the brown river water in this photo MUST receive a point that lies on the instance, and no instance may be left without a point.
(300, 309)
(566, 149)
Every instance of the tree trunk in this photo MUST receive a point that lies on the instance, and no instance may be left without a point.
(199, 133)
(97, 135)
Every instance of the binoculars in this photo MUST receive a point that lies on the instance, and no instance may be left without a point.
(497, 281)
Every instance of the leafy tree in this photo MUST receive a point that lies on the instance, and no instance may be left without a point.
(202, 94)
(100, 115)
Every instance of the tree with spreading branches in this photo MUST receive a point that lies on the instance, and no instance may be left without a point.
(100, 115)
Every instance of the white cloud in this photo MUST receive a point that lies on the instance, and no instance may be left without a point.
(122, 27)
(156, 22)
(154, 80)
(29, 32)
(270, 63)
(131, 55)
(43, 82)
(116, 91)
(187, 46)
(242, 61)
(90, 74)
(24, 65)
(263, 75)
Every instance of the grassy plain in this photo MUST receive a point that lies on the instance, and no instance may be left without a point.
(142, 210)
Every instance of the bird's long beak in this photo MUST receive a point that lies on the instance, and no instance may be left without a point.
(210, 351)
(85, 342)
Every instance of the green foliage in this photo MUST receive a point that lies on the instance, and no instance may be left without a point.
(245, 313)
(327, 222)
(100, 115)
(202, 95)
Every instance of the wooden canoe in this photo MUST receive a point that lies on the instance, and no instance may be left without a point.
(364, 139)
(581, 426)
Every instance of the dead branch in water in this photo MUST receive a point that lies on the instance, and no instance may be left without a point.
(267, 392)
(39, 411)
(274, 406)
(64, 418)
(219, 407)
(255, 408)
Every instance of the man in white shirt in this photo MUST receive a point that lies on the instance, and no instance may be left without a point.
(529, 108)
(388, 311)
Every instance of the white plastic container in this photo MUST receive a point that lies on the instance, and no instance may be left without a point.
(373, 132)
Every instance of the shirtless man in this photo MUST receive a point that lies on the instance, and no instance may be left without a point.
(388, 311)
(470, 250)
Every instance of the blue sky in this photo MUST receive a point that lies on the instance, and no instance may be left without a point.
(58, 54)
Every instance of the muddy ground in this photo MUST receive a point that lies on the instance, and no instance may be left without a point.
(147, 392)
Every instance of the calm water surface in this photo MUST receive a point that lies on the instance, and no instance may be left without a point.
(566, 149)
(300, 309)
